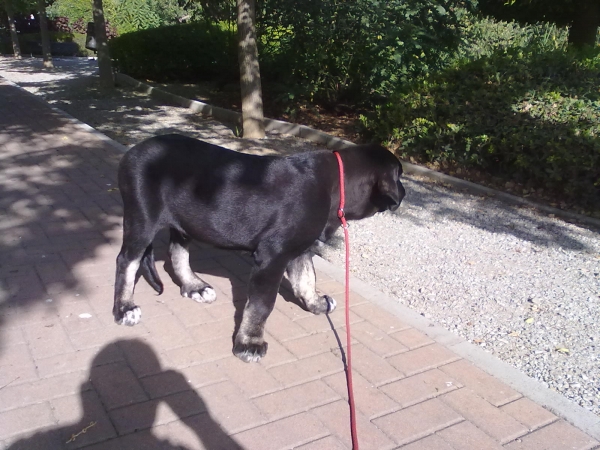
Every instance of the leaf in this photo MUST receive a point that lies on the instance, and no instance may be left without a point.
(112, 189)
(514, 334)
(562, 350)
(529, 320)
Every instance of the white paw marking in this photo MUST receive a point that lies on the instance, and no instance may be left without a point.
(132, 317)
(209, 295)
(332, 304)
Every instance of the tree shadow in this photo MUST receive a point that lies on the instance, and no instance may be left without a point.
(120, 407)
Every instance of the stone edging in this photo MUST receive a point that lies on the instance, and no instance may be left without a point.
(333, 142)
(578, 416)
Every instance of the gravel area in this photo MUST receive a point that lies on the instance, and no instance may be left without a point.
(523, 285)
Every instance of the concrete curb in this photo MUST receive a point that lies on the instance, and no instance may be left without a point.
(335, 143)
(578, 416)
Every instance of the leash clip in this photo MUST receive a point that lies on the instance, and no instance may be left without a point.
(341, 213)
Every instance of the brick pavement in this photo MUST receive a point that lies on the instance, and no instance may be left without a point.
(171, 381)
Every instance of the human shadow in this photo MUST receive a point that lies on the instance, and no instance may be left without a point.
(119, 407)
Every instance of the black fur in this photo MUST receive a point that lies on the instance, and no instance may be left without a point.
(273, 207)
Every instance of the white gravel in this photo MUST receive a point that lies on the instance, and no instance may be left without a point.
(523, 285)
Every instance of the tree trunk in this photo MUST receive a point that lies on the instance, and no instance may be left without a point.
(104, 62)
(252, 106)
(584, 29)
(13, 29)
(46, 50)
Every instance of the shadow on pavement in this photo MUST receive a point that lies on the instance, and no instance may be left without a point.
(118, 408)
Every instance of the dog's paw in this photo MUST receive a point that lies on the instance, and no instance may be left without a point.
(205, 294)
(131, 317)
(331, 303)
(325, 305)
(250, 352)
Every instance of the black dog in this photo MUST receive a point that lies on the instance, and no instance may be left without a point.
(274, 207)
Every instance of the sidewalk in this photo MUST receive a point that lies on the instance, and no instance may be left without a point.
(71, 378)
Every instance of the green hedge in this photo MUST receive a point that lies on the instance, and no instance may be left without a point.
(523, 114)
(188, 52)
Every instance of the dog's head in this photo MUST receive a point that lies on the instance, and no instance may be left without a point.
(373, 181)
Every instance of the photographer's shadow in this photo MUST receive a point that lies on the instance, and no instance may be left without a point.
(119, 413)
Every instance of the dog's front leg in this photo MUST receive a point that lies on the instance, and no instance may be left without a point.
(301, 274)
(249, 344)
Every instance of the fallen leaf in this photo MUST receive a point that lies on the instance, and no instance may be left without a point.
(514, 334)
(112, 189)
(529, 320)
(562, 350)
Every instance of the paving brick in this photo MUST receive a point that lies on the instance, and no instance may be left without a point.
(295, 399)
(374, 368)
(412, 338)
(418, 421)
(327, 443)
(433, 442)
(200, 432)
(200, 353)
(168, 332)
(14, 356)
(73, 321)
(204, 374)
(253, 379)
(556, 436)
(283, 328)
(381, 319)
(532, 415)
(76, 412)
(13, 375)
(79, 360)
(229, 408)
(486, 386)
(188, 313)
(376, 340)
(466, 436)
(38, 391)
(422, 359)
(141, 416)
(308, 369)
(369, 400)
(102, 336)
(336, 417)
(117, 385)
(493, 421)
(141, 355)
(420, 387)
(290, 432)
(25, 419)
(316, 343)
(165, 383)
(277, 354)
(325, 322)
(212, 330)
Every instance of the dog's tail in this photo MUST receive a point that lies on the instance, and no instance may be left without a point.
(149, 270)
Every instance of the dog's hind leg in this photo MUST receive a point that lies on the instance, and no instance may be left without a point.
(125, 311)
(301, 274)
(191, 285)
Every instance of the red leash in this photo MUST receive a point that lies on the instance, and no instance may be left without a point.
(342, 218)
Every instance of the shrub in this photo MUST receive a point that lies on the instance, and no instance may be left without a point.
(188, 52)
(357, 51)
(528, 111)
